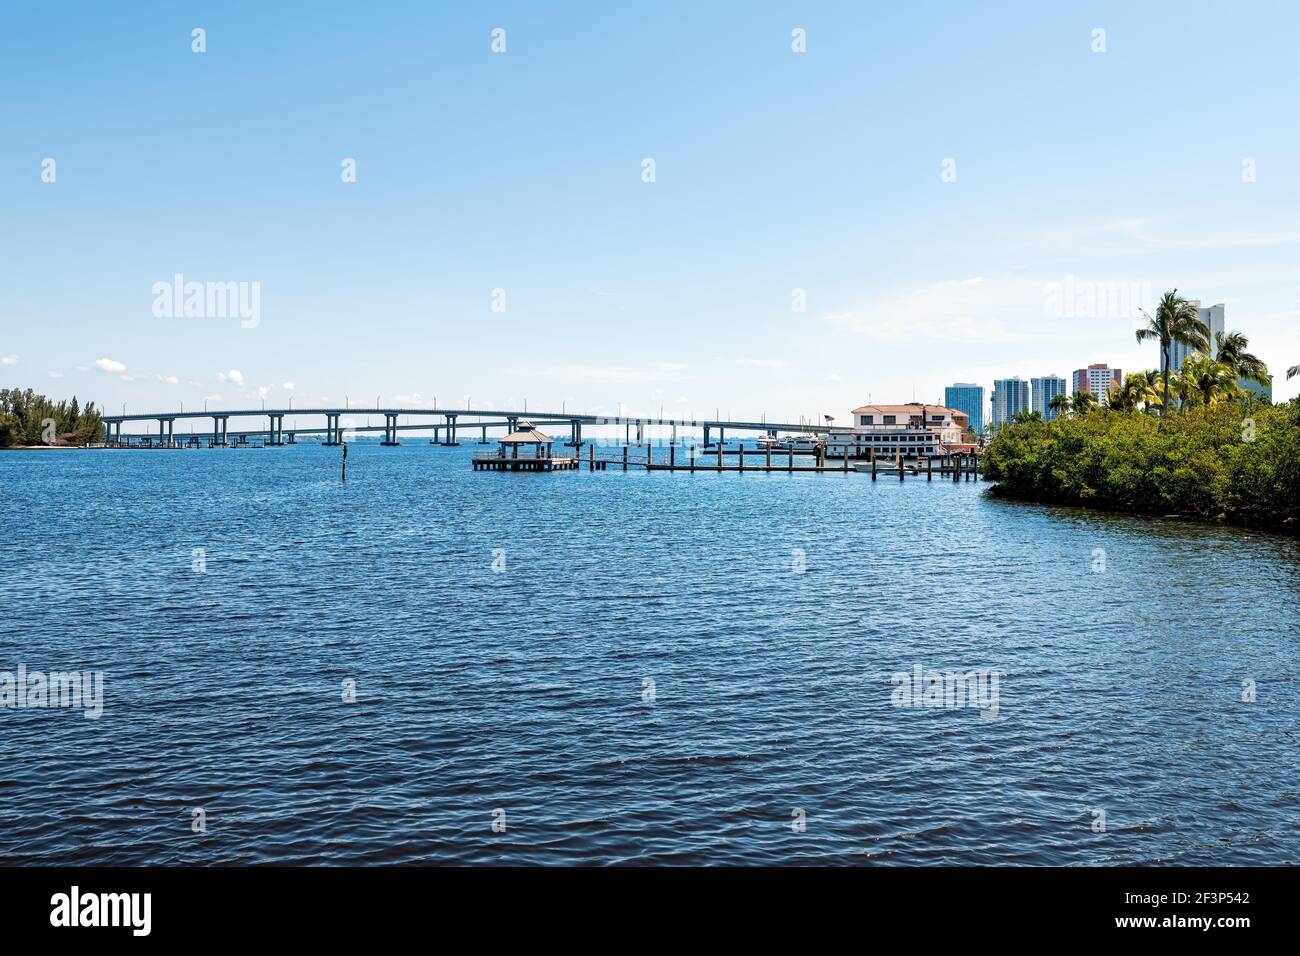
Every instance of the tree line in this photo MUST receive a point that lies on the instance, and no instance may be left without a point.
(1188, 441)
(27, 418)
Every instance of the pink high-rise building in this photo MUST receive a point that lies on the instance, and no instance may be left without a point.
(1097, 379)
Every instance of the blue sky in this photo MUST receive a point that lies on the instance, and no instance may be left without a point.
(1119, 171)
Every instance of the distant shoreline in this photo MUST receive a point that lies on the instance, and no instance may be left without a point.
(4, 448)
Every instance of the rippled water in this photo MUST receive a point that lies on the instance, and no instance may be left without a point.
(523, 690)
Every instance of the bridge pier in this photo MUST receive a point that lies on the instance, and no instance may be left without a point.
(390, 430)
(166, 431)
(640, 433)
(219, 430)
(451, 430)
(332, 436)
(575, 433)
(706, 436)
(275, 434)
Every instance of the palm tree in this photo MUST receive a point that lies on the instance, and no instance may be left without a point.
(1175, 321)
(1136, 390)
(1119, 397)
(1230, 349)
(1209, 380)
(1150, 389)
(1060, 404)
(1083, 402)
(1293, 371)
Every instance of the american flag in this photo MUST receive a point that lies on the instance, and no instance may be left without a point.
(829, 418)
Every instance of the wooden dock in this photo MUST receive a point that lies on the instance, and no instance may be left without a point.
(526, 463)
(956, 466)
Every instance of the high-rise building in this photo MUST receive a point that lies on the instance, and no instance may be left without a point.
(1010, 398)
(1215, 320)
(1044, 390)
(1097, 379)
(969, 399)
(1213, 317)
(1265, 390)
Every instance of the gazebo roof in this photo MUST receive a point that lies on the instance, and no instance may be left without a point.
(526, 435)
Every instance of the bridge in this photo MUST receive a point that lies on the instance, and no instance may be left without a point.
(443, 421)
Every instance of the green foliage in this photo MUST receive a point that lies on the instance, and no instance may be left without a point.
(23, 414)
(1237, 460)
(1176, 320)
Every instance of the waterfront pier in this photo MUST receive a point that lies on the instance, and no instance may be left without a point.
(538, 455)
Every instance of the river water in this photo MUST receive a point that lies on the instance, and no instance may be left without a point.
(432, 665)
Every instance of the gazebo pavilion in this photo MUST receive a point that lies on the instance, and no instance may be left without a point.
(507, 457)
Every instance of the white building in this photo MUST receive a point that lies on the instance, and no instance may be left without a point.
(1098, 378)
(1213, 317)
(910, 430)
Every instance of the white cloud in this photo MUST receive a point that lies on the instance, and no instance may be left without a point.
(212, 398)
(832, 378)
(234, 375)
(976, 311)
(9, 360)
(288, 386)
(54, 374)
(265, 390)
(109, 365)
(169, 379)
(761, 363)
